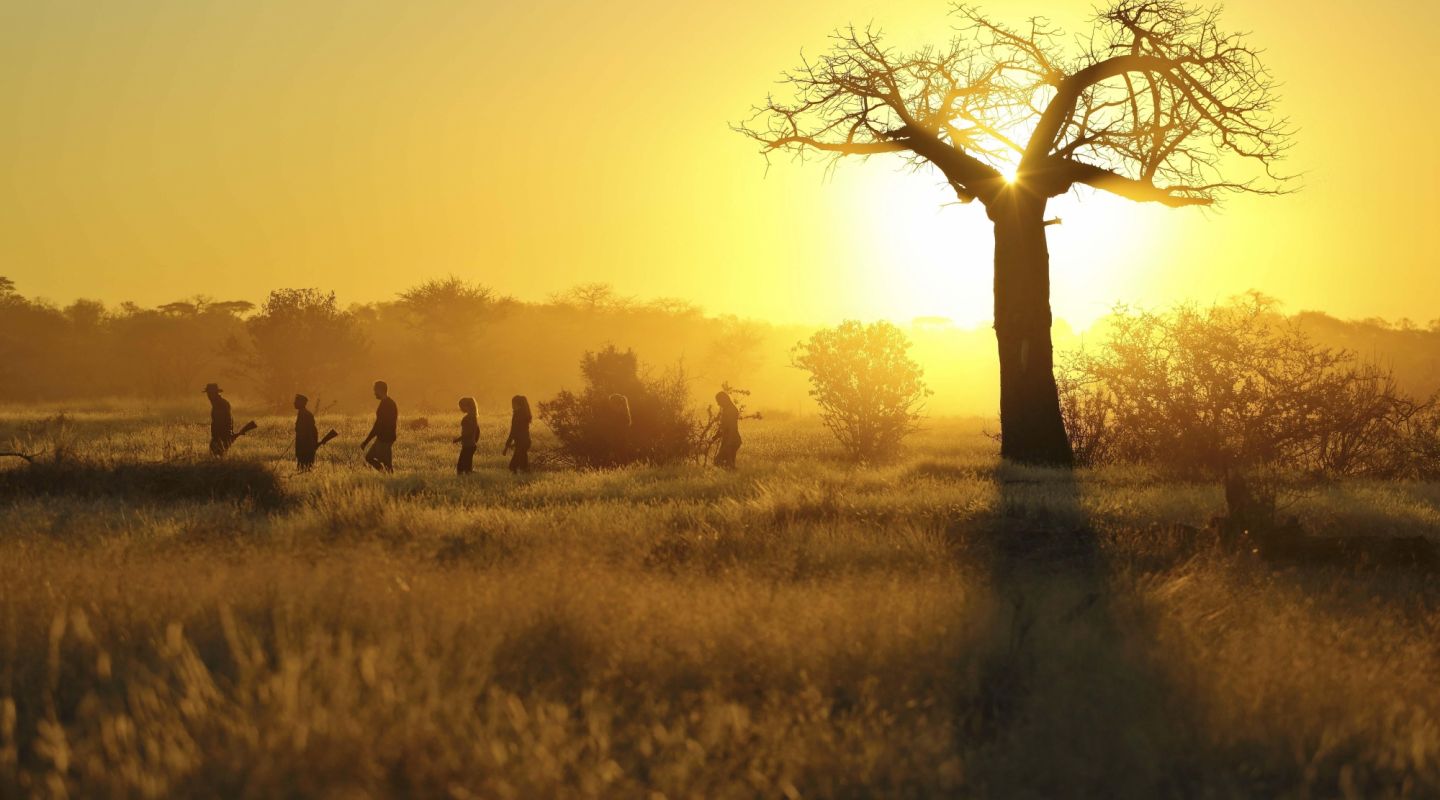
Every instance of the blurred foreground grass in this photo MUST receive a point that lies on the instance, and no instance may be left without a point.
(938, 626)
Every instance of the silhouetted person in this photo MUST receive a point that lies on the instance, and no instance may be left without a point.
(617, 429)
(468, 438)
(519, 434)
(383, 431)
(729, 433)
(307, 436)
(222, 427)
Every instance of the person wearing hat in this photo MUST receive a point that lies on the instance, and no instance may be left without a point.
(383, 431)
(307, 436)
(221, 425)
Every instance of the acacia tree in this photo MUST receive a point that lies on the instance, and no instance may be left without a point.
(1157, 105)
(302, 341)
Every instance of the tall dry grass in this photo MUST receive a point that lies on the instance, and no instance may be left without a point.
(942, 625)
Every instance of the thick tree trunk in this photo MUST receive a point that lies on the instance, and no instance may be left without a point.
(1031, 429)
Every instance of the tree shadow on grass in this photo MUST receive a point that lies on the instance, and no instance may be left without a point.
(1069, 703)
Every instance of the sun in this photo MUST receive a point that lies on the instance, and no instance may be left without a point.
(918, 252)
(914, 251)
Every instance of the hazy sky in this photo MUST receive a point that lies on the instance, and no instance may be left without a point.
(155, 150)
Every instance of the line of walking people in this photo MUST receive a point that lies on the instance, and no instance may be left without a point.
(379, 443)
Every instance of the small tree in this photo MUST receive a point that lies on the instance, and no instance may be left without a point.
(593, 296)
(443, 346)
(869, 389)
(301, 339)
(449, 308)
(654, 425)
(736, 349)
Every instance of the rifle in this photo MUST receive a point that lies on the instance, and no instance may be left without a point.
(246, 428)
(29, 457)
(328, 436)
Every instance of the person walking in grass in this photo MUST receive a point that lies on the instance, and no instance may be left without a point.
(222, 426)
(519, 434)
(617, 421)
(307, 436)
(728, 433)
(468, 438)
(387, 416)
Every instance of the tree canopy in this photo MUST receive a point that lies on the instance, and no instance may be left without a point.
(1158, 104)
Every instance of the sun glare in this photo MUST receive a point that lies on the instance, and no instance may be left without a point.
(925, 255)
(929, 256)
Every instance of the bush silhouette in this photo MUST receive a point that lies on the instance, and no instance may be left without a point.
(1234, 387)
(869, 389)
(301, 337)
(623, 416)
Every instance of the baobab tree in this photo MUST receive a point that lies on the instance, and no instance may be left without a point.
(1157, 105)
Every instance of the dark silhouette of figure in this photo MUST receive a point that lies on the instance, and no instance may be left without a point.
(519, 434)
(617, 429)
(468, 438)
(387, 415)
(728, 434)
(307, 436)
(222, 426)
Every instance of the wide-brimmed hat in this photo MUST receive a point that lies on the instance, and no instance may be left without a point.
(212, 387)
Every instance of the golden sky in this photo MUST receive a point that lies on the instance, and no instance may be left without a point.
(155, 150)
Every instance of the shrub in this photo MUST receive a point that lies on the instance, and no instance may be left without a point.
(1232, 387)
(869, 389)
(623, 416)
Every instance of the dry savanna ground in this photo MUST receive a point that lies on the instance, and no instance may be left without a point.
(942, 625)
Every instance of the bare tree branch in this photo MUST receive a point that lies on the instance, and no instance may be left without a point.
(844, 148)
(1160, 105)
(1140, 191)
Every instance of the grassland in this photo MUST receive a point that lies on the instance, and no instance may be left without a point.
(943, 625)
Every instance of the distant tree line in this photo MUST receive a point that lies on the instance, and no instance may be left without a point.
(447, 338)
(437, 341)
